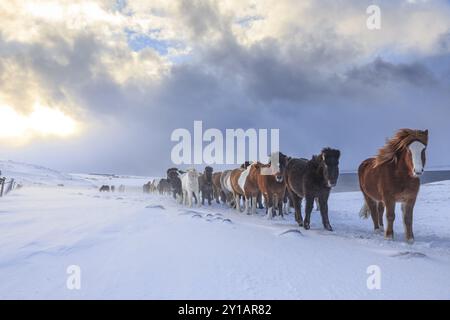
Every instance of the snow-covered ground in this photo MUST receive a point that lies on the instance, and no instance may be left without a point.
(133, 245)
(30, 174)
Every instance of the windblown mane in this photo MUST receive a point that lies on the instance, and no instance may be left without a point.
(401, 140)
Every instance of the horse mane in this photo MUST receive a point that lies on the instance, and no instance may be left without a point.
(399, 142)
(328, 152)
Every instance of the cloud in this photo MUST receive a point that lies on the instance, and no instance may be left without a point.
(380, 72)
(132, 73)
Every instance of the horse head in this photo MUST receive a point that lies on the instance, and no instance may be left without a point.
(172, 173)
(329, 162)
(245, 165)
(416, 158)
(192, 173)
(278, 162)
(208, 173)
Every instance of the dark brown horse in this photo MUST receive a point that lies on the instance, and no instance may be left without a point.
(313, 179)
(173, 177)
(104, 188)
(205, 182)
(393, 176)
(272, 184)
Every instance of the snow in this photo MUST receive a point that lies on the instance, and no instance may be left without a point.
(30, 174)
(135, 245)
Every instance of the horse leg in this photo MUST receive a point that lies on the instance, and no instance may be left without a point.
(218, 197)
(390, 216)
(260, 201)
(280, 205)
(254, 200)
(246, 204)
(380, 214)
(266, 203)
(407, 211)
(189, 198)
(276, 208)
(190, 194)
(230, 198)
(308, 209)
(237, 199)
(197, 196)
(297, 207)
(269, 202)
(285, 202)
(203, 197)
(323, 206)
(373, 208)
(290, 205)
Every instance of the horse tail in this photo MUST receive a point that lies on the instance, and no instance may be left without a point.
(365, 211)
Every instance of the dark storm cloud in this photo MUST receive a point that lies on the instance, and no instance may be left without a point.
(250, 88)
(380, 71)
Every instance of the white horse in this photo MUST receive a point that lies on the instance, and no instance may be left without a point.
(189, 183)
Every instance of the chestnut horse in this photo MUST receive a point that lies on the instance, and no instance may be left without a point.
(217, 188)
(273, 185)
(393, 176)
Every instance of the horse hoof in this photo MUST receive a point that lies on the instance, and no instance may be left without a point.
(328, 227)
(378, 231)
(389, 237)
(306, 226)
(410, 241)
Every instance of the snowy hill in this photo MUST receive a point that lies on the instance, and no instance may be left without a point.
(134, 245)
(30, 174)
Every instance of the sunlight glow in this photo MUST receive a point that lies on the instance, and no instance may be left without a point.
(42, 121)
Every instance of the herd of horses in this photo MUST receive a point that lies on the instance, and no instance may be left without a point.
(391, 176)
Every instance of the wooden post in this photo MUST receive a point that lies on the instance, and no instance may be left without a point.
(2, 182)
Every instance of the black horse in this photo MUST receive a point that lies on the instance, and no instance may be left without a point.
(205, 183)
(175, 182)
(313, 179)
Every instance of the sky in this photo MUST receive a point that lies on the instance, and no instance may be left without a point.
(99, 86)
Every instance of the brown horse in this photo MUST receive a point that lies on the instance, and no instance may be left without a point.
(248, 183)
(217, 188)
(273, 185)
(227, 190)
(393, 176)
(237, 190)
